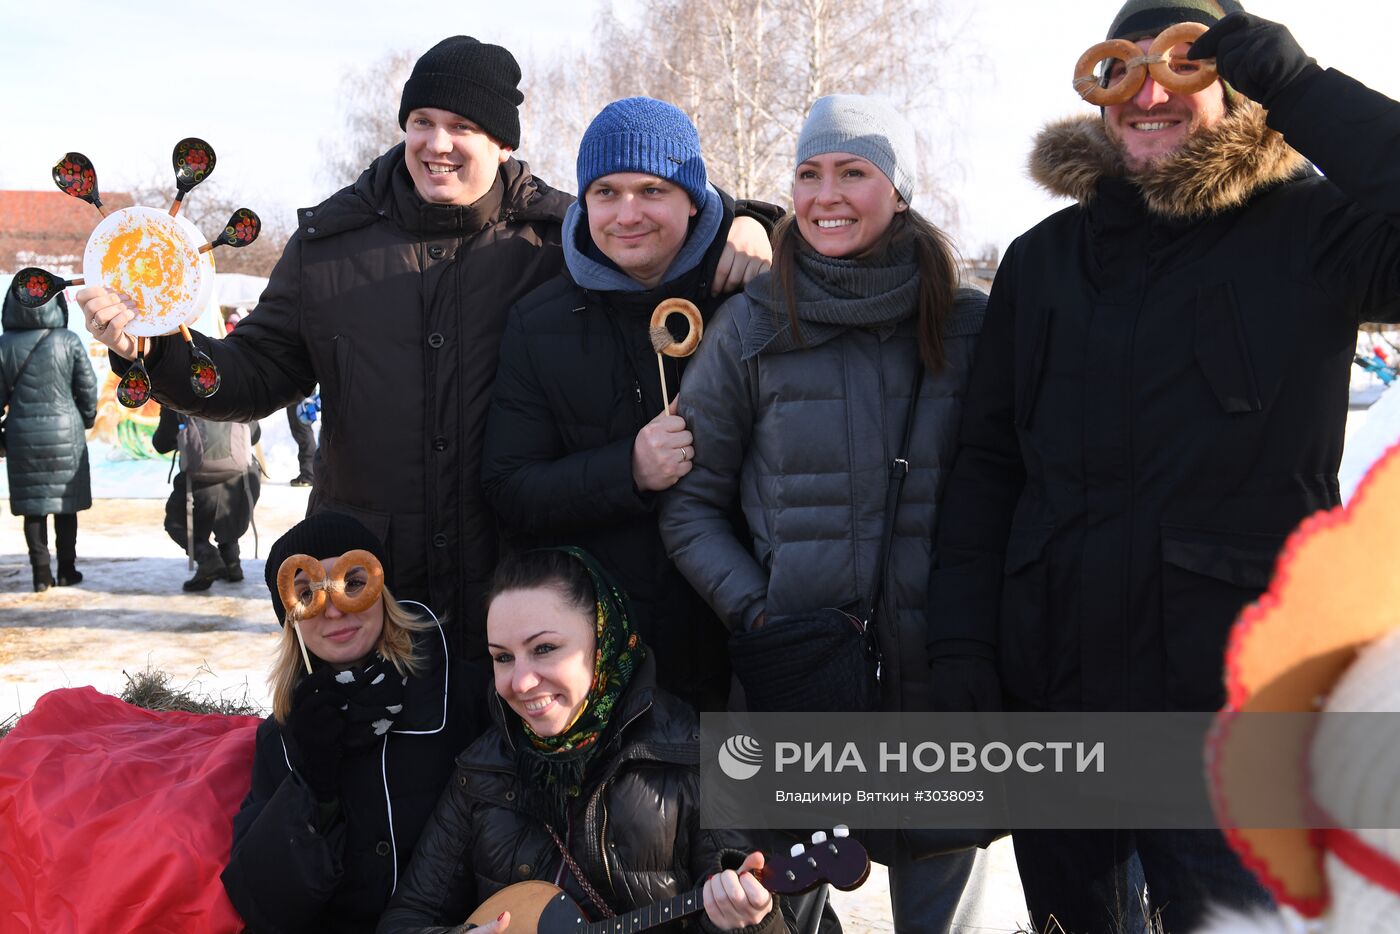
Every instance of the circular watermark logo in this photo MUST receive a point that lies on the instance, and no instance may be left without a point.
(741, 757)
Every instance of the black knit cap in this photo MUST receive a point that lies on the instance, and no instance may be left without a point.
(1141, 19)
(472, 79)
(322, 535)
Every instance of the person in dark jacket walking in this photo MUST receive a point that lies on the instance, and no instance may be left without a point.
(1161, 400)
(392, 294)
(798, 400)
(349, 766)
(589, 777)
(579, 443)
(219, 503)
(48, 396)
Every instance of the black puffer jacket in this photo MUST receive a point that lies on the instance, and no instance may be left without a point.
(396, 308)
(285, 875)
(47, 411)
(635, 832)
(1161, 396)
(578, 379)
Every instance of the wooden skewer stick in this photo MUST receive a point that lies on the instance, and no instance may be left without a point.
(306, 659)
(661, 338)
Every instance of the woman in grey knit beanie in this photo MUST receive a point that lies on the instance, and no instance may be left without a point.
(798, 400)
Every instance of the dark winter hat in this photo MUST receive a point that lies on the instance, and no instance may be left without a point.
(1140, 19)
(474, 79)
(862, 126)
(322, 535)
(642, 134)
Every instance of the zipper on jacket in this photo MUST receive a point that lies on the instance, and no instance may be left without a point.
(603, 838)
(637, 389)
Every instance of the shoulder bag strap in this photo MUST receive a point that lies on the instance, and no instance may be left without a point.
(599, 905)
(25, 365)
(899, 469)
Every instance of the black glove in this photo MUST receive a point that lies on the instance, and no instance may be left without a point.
(373, 697)
(1257, 57)
(314, 732)
(962, 681)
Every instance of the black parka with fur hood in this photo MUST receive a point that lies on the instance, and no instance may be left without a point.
(634, 832)
(1161, 395)
(396, 308)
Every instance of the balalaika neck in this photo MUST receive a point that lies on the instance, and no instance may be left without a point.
(686, 903)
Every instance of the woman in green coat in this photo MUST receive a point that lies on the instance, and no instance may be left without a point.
(48, 393)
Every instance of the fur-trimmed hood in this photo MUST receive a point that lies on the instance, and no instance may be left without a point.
(1213, 172)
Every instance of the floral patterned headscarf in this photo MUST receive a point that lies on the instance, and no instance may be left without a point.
(556, 764)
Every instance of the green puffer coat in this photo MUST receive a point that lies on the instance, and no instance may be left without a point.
(47, 407)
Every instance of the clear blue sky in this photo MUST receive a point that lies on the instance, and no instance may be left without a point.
(122, 81)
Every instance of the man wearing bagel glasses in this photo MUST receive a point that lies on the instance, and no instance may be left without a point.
(1160, 399)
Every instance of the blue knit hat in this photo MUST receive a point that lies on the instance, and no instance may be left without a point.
(641, 134)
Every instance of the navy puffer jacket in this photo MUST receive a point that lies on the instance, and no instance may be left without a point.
(47, 407)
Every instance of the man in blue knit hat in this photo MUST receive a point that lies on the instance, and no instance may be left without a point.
(579, 441)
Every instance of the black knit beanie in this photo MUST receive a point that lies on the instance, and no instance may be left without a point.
(322, 535)
(1140, 19)
(473, 79)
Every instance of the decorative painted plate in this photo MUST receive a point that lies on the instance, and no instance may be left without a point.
(155, 259)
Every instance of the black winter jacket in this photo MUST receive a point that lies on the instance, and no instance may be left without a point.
(46, 412)
(287, 876)
(577, 380)
(1161, 394)
(635, 832)
(396, 308)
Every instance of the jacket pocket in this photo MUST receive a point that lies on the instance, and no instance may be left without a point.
(1222, 351)
(1023, 640)
(1208, 577)
(1030, 362)
(342, 370)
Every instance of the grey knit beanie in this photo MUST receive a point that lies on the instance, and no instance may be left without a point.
(862, 126)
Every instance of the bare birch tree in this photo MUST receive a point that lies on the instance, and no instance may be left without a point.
(370, 107)
(746, 71)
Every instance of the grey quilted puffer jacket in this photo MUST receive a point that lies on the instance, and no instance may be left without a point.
(803, 441)
(47, 411)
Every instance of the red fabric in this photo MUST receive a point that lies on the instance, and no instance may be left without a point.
(114, 818)
(1365, 860)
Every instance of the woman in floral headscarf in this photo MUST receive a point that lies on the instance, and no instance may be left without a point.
(589, 779)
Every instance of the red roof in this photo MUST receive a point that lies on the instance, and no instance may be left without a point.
(48, 228)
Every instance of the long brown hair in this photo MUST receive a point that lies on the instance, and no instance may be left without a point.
(933, 254)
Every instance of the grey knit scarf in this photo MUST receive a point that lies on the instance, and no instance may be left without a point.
(833, 295)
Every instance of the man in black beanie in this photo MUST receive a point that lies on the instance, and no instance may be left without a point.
(1158, 401)
(393, 295)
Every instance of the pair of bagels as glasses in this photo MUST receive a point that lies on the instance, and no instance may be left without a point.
(330, 586)
(1156, 61)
